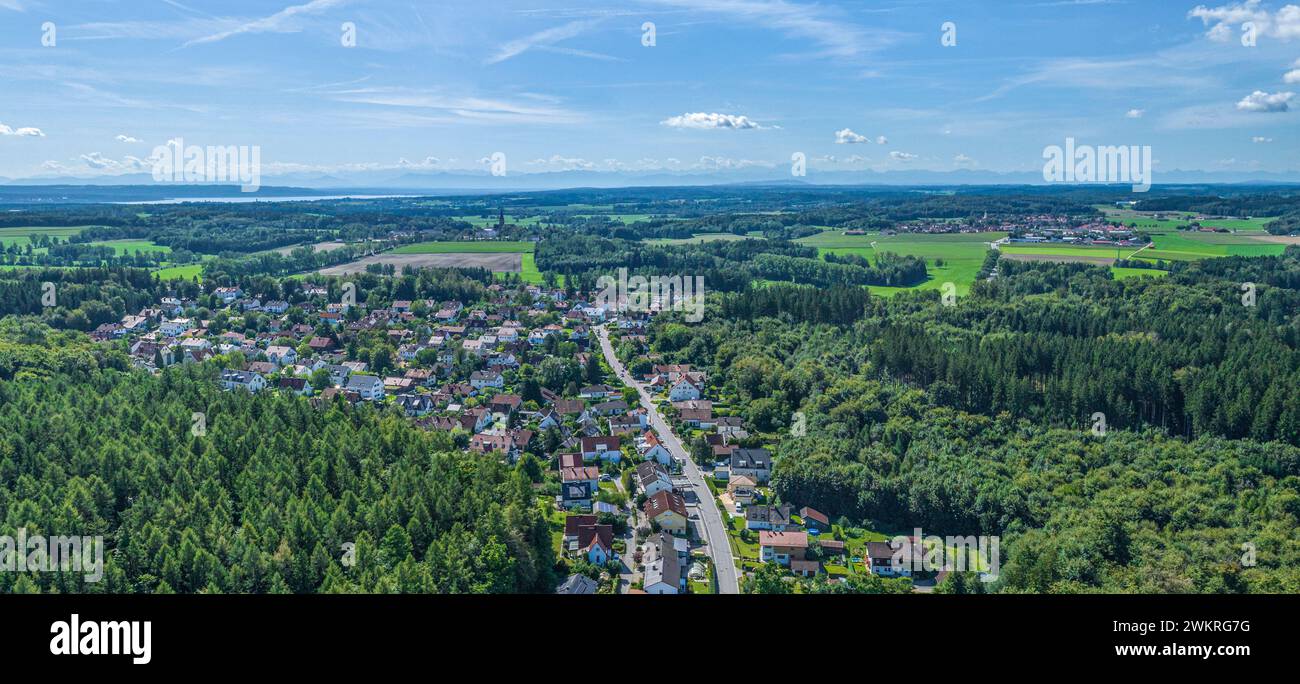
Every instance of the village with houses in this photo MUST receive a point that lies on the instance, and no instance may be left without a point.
(629, 506)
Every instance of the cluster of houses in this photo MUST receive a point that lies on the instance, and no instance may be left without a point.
(590, 429)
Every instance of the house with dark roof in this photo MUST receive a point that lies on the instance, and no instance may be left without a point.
(663, 572)
(756, 464)
(577, 584)
(369, 387)
(767, 517)
(575, 495)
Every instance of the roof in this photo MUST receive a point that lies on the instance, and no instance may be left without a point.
(570, 461)
(573, 522)
(813, 514)
(741, 481)
(794, 540)
(370, 381)
(577, 584)
(591, 443)
(803, 566)
(649, 471)
(662, 565)
(751, 458)
(574, 491)
(592, 535)
(580, 474)
(663, 502)
(767, 513)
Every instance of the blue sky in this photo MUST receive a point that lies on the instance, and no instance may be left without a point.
(568, 84)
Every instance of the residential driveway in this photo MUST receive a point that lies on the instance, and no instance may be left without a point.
(715, 533)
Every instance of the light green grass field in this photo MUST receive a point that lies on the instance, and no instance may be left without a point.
(186, 272)
(1122, 273)
(1167, 246)
(20, 235)
(488, 221)
(132, 246)
(465, 247)
(697, 239)
(962, 254)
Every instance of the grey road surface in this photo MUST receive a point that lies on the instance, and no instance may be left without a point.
(714, 531)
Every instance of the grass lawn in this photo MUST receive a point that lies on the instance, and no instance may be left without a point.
(19, 235)
(1167, 245)
(697, 239)
(1122, 273)
(121, 247)
(554, 521)
(489, 221)
(962, 254)
(186, 272)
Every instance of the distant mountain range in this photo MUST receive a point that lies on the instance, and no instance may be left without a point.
(439, 182)
(142, 188)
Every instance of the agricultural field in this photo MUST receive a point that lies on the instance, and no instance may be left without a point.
(962, 254)
(697, 239)
(121, 247)
(186, 272)
(497, 256)
(465, 247)
(1167, 246)
(489, 221)
(1172, 219)
(21, 235)
(318, 247)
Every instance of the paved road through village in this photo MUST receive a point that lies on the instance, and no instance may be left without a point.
(715, 532)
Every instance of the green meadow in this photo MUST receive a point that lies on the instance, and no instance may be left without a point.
(186, 272)
(697, 239)
(132, 246)
(962, 254)
(21, 235)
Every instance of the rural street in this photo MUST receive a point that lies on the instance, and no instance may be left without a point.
(719, 547)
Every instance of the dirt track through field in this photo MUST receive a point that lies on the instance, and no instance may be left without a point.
(318, 247)
(1279, 239)
(493, 261)
(1063, 258)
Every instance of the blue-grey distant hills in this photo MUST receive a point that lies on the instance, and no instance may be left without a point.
(142, 187)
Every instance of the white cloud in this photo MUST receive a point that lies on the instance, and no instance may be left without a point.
(26, 131)
(426, 163)
(1135, 113)
(848, 137)
(710, 120)
(279, 22)
(715, 163)
(882, 140)
(963, 160)
(1260, 101)
(1224, 22)
(563, 163)
(851, 159)
(834, 32)
(1261, 139)
(902, 156)
(544, 39)
(1292, 76)
(127, 139)
(451, 108)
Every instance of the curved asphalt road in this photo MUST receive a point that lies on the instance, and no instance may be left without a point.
(715, 532)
